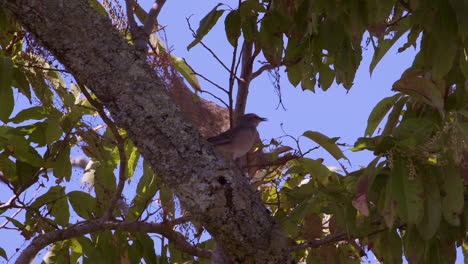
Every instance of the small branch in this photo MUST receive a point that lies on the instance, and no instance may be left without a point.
(10, 202)
(262, 69)
(152, 18)
(244, 82)
(209, 50)
(317, 243)
(398, 20)
(92, 226)
(219, 99)
(120, 141)
(211, 82)
(41, 68)
(130, 17)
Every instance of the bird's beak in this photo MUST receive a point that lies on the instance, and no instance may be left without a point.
(263, 119)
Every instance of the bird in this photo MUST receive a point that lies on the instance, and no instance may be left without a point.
(237, 141)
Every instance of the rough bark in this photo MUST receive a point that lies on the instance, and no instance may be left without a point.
(85, 42)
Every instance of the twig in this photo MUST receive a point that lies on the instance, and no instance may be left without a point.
(317, 243)
(120, 141)
(42, 68)
(262, 69)
(10, 202)
(219, 99)
(92, 226)
(211, 82)
(398, 20)
(152, 18)
(208, 49)
(130, 17)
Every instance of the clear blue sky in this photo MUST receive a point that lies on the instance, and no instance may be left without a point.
(335, 113)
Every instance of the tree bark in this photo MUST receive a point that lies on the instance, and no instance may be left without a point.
(216, 193)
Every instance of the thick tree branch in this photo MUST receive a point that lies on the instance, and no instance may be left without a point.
(218, 195)
(87, 227)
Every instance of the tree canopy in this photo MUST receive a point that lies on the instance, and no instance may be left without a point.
(98, 79)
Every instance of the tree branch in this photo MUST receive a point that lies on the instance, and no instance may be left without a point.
(215, 193)
(317, 243)
(244, 82)
(92, 226)
(262, 69)
(152, 18)
(120, 142)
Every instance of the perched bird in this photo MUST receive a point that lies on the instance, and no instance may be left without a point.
(238, 140)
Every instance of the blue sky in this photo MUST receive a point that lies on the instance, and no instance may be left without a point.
(335, 113)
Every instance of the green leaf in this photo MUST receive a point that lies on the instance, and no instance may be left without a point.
(83, 204)
(56, 202)
(389, 206)
(25, 173)
(394, 116)
(53, 132)
(20, 149)
(444, 41)
(425, 89)
(432, 205)
(3, 253)
(32, 113)
(7, 101)
(58, 253)
(186, 71)
(382, 48)
(388, 247)
(453, 200)
(232, 26)
(414, 246)
(146, 189)
(7, 167)
(132, 158)
(379, 112)
(96, 5)
(326, 77)
(20, 82)
(62, 165)
(414, 197)
(206, 24)
(104, 186)
(146, 243)
(295, 73)
(316, 169)
(325, 142)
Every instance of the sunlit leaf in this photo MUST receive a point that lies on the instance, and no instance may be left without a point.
(146, 189)
(33, 113)
(206, 24)
(327, 143)
(186, 71)
(379, 112)
(132, 157)
(83, 204)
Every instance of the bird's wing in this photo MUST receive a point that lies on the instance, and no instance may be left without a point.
(223, 138)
